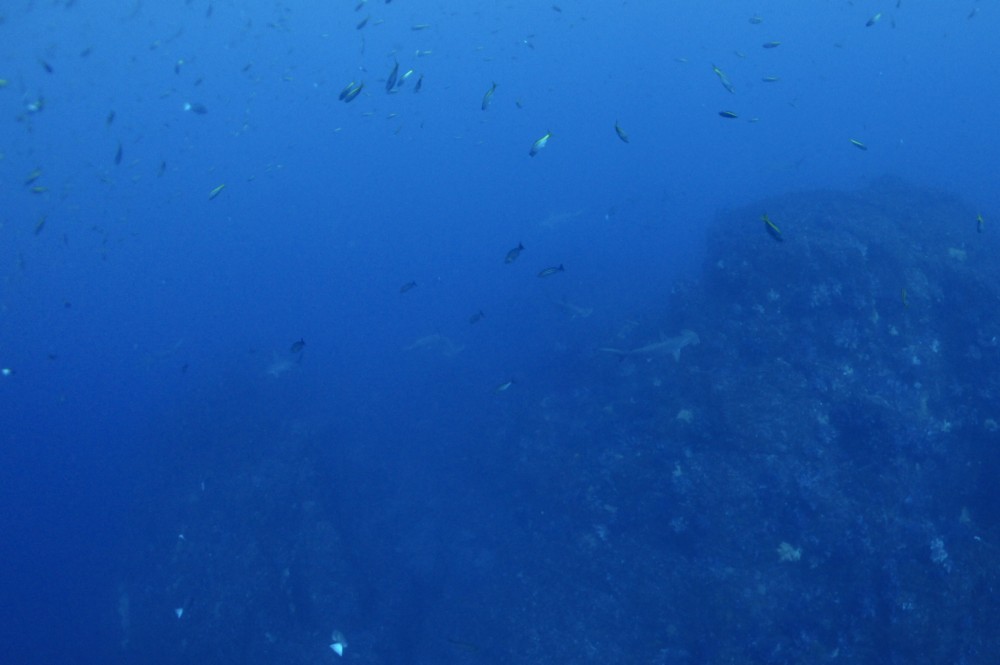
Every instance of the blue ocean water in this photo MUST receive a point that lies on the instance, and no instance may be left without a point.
(491, 465)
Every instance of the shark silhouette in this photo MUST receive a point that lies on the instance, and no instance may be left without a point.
(666, 346)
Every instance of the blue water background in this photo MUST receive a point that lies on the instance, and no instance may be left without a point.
(144, 313)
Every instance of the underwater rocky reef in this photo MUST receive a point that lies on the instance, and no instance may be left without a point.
(815, 481)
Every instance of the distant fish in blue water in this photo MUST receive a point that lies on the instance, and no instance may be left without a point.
(390, 82)
(980, 223)
(338, 643)
(548, 272)
(858, 144)
(406, 287)
(435, 343)
(196, 108)
(539, 144)
(477, 317)
(488, 97)
(513, 254)
(297, 346)
(873, 20)
(772, 228)
(403, 77)
(350, 91)
(667, 346)
(184, 607)
(723, 79)
(620, 132)
(574, 311)
(34, 105)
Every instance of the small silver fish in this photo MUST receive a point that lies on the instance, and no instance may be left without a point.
(539, 144)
